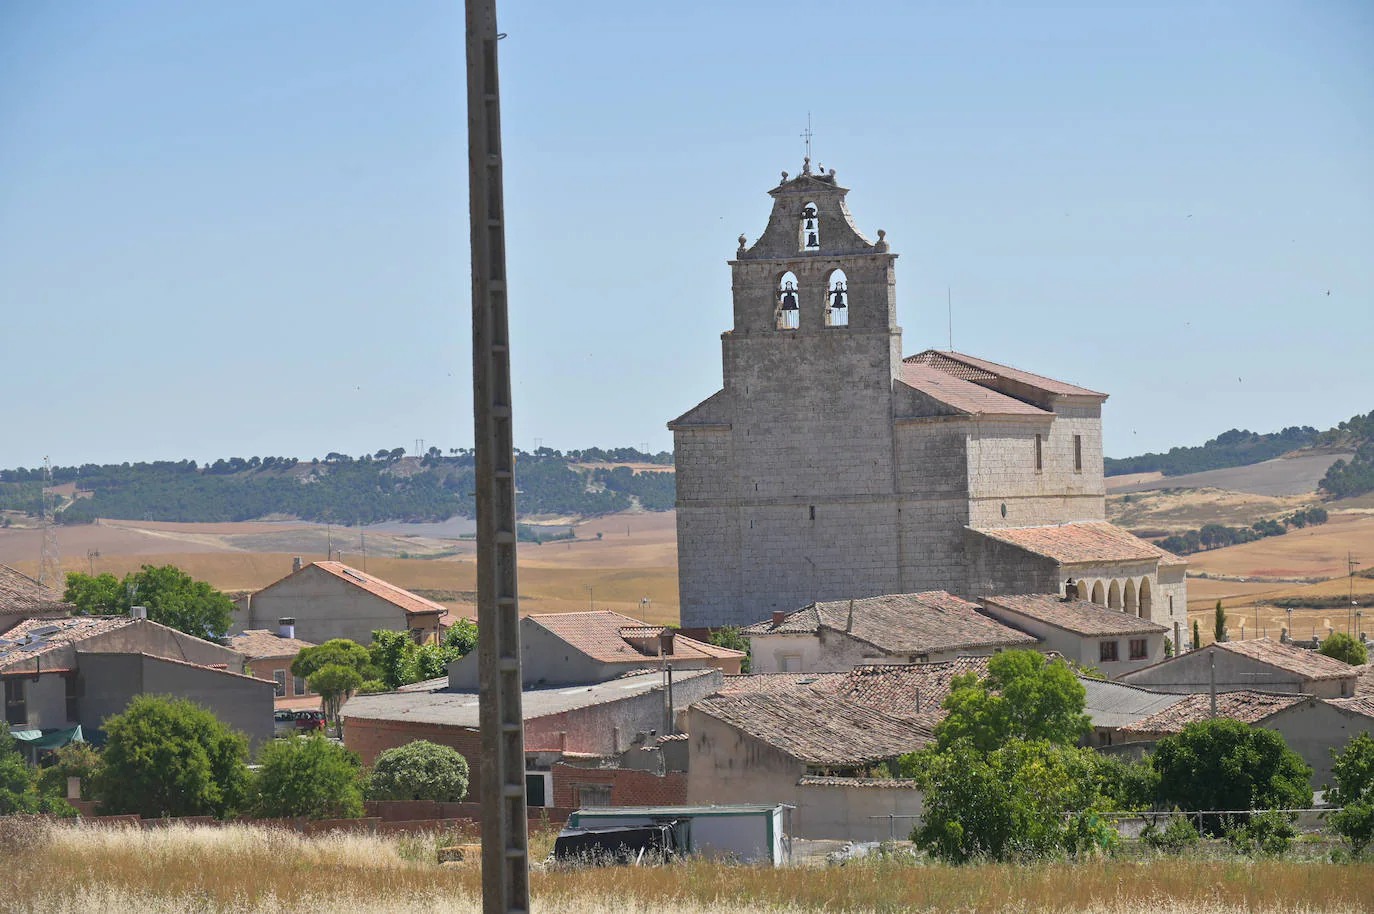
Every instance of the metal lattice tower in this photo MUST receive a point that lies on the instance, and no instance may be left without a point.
(505, 844)
(49, 558)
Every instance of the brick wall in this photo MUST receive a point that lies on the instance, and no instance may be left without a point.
(628, 786)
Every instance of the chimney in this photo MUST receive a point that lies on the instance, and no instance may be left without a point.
(296, 563)
(138, 612)
(849, 624)
(779, 616)
(665, 642)
(286, 628)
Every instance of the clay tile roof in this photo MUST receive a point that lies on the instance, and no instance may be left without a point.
(1365, 684)
(262, 644)
(600, 635)
(1308, 664)
(813, 780)
(818, 729)
(411, 603)
(33, 638)
(1080, 617)
(1245, 706)
(21, 595)
(905, 623)
(781, 683)
(960, 365)
(1079, 543)
(1362, 705)
(965, 396)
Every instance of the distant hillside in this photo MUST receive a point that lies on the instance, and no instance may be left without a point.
(341, 489)
(1346, 480)
(1236, 448)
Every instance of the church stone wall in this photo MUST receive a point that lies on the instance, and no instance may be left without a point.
(1001, 458)
(704, 470)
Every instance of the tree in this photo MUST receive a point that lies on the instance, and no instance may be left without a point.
(1353, 772)
(1225, 764)
(390, 654)
(171, 757)
(334, 652)
(334, 683)
(308, 776)
(74, 760)
(172, 596)
(1197, 636)
(419, 771)
(729, 637)
(1219, 624)
(19, 794)
(461, 639)
(1024, 696)
(1344, 648)
(1022, 801)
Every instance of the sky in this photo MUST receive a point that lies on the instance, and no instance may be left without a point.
(241, 229)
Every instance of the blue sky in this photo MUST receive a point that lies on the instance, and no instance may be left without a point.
(238, 229)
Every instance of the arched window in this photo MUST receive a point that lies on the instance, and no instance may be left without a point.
(1114, 596)
(1099, 596)
(837, 300)
(789, 308)
(1145, 601)
(810, 229)
(1083, 591)
(1128, 599)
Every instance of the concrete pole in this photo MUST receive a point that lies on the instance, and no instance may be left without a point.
(505, 842)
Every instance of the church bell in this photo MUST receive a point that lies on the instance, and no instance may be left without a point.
(789, 299)
(837, 297)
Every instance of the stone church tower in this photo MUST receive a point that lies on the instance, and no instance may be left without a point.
(828, 467)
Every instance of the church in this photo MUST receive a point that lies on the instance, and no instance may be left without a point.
(830, 467)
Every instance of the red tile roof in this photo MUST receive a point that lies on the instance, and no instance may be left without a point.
(981, 371)
(1081, 543)
(965, 396)
(413, 604)
(1362, 705)
(21, 595)
(1080, 617)
(817, 729)
(263, 644)
(1308, 664)
(35, 638)
(1245, 706)
(612, 638)
(905, 623)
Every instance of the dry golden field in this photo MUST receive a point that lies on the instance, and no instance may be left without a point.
(81, 869)
(1176, 510)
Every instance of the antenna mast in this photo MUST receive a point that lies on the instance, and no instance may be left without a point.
(949, 309)
(49, 558)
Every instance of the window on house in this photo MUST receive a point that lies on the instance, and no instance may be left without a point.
(1039, 453)
(1078, 453)
(790, 663)
(1138, 651)
(298, 684)
(592, 794)
(73, 698)
(417, 635)
(1106, 652)
(279, 678)
(16, 709)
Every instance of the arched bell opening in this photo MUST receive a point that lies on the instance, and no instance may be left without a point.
(788, 312)
(810, 228)
(837, 300)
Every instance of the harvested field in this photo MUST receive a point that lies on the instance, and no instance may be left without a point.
(80, 869)
(1297, 475)
(1177, 510)
(1313, 552)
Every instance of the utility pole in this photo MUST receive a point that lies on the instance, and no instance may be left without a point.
(505, 839)
(1350, 565)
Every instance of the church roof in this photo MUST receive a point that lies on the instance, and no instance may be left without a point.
(981, 371)
(965, 396)
(1081, 543)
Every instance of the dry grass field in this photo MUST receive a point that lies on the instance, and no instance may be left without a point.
(81, 869)
(1176, 510)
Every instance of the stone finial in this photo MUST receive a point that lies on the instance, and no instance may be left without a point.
(742, 242)
(806, 165)
(832, 172)
(882, 243)
(784, 178)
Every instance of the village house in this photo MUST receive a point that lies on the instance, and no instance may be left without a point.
(591, 723)
(595, 646)
(332, 600)
(63, 674)
(268, 655)
(895, 628)
(21, 597)
(1260, 663)
(1090, 635)
(1114, 705)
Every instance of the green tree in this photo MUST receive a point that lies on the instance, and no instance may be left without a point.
(308, 776)
(419, 771)
(1353, 772)
(171, 757)
(1024, 696)
(390, 654)
(1219, 624)
(334, 683)
(335, 652)
(1197, 636)
(461, 638)
(1344, 648)
(1022, 801)
(74, 760)
(19, 793)
(172, 596)
(729, 636)
(1225, 764)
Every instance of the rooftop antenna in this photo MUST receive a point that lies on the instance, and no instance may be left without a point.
(949, 309)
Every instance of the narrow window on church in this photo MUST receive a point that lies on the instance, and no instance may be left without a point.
(837, 300)
(1078, 453)
(810, 229)
(789, 310)
(1039, 453)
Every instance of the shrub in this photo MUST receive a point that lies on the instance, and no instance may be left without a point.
(1353, 772)
(1263, 834)
(419, 771)
(18, 791)
(171, 757)
(308, 776)
(74, 760)
(1355, 823)
(1178, 836)
(1344, 648)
